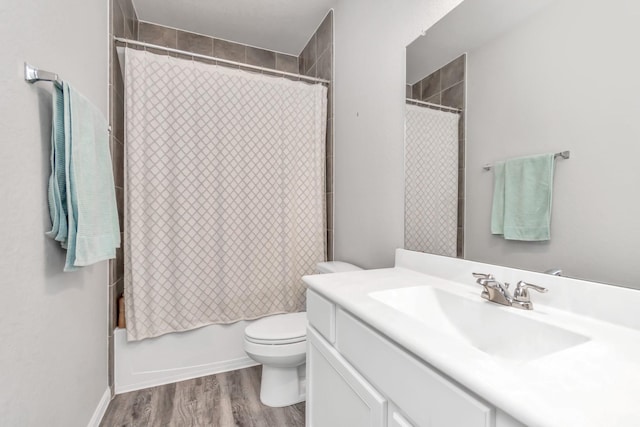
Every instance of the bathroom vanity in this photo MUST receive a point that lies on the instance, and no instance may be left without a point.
(416, 345)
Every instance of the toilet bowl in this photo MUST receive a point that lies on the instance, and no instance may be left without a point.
(279, 343)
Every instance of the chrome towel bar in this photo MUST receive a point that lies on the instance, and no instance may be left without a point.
(32, 75)
(562, 154)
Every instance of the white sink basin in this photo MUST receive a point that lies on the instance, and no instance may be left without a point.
(491, 328)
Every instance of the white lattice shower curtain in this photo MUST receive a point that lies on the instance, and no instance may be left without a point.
(225, 197)
(431, 180)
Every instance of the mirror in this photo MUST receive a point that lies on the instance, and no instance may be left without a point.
(542, 77)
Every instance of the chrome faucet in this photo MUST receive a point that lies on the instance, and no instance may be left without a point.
(494, 291)
(497, 292)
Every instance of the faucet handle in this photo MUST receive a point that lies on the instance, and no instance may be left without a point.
(486, 282)
(554, 272)
(486, 276)
(521, 292)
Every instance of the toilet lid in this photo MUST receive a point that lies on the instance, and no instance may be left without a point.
(280, 328)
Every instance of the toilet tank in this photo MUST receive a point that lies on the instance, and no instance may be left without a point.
(335, 267)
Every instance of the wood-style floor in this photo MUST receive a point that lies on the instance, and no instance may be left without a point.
(230, 399)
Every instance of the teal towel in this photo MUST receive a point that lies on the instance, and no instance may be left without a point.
(57, 179)
(82, 201)
(522, 198)
(94, 232)
(497, 210)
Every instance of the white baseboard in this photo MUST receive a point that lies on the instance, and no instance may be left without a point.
(182, 374)
(100, 409)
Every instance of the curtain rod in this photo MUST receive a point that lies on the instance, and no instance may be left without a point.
(226, 61)
(431, 104)
(561, 154)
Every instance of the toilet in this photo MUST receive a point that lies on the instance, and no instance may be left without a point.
(279, 343)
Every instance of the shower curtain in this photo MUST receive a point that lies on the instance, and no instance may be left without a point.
(431, 180)
(225, 196)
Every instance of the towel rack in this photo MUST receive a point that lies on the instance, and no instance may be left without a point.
(32, 75)
(562, 154)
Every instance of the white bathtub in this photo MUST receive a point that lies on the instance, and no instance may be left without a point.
(178, 356)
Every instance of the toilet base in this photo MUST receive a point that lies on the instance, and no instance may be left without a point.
(282, 386)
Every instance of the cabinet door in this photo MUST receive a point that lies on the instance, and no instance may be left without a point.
(337, 396)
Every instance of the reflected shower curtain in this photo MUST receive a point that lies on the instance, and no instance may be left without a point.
(225, 196)
(431, 181)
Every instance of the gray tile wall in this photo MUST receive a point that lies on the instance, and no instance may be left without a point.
(123, 22)
(446, 86)
(316, 60)
(223, 49)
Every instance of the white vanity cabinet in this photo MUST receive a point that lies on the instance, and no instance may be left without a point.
(359, 378)
(341, 396)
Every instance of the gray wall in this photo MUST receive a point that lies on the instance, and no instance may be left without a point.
(370, 41)
(564, 81)
(53, 357)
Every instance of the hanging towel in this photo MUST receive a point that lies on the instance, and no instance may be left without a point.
(497, 209)
(522, 198)
(82, 201)
(57, 179)
(94, 232)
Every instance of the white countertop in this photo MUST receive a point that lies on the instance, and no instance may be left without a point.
(596, 383)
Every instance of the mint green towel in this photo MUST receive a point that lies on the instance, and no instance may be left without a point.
(82, 200)
(522, 198)
(94, 232)
(497, 210)
(57, 179)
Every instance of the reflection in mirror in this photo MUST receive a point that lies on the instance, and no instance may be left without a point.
(434, 153)
(542, 77)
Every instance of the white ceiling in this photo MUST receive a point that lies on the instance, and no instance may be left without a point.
(279, 25)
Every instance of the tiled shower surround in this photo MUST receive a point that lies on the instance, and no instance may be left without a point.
(316, 60)
(123, 22)
(446, 86)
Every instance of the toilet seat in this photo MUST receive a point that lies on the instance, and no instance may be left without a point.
(276, 342)
(277, 354)
(279, 329)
